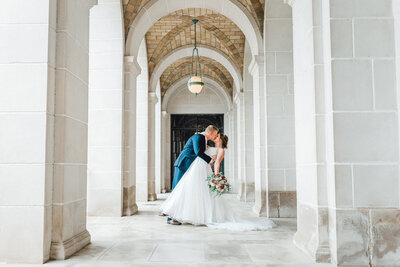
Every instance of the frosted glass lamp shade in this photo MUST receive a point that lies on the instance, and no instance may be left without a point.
(195, 84)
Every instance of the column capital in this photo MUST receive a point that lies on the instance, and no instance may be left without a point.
(290, 2)
(132, 66)
(153, 99)
(236, 99)
(257, 60)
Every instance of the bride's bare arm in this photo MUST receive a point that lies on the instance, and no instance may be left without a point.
(220, 157)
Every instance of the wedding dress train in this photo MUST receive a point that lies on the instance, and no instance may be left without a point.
(191, 202)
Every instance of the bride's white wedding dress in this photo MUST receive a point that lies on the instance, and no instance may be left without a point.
(191, 202)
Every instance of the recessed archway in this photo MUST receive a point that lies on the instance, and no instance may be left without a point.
(187, 52)
(181, 84)
(155, 10)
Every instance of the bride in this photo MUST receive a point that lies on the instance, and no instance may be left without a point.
(191, 201)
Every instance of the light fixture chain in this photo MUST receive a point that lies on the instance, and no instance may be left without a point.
(195, 34)
(195, 83)
(198, 62)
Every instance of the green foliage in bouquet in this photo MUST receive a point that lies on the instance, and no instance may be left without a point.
(218, 184)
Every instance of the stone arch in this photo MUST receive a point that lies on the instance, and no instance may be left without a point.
(204, 23)
(213, 85)
(206, 51)
(155, 10)
(209, 67)
(255, 7)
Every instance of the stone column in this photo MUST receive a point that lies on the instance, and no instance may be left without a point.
(227, 158)
(280, 99)
(142, 126)
(27, 82)
(69, 232)
(168, 163)
(256, 69)
(132, 70)
(246, 144)
(106, 108)
(233, 148)
(151, 146)
(311, 139)
(364, 189)
(158, 145)
(165, 173)
(347, 112)
(230, 158)
(239, 141)
(247, 130)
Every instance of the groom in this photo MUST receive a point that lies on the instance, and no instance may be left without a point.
(195, 147)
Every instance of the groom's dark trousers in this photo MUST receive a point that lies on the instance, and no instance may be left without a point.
(195, 147)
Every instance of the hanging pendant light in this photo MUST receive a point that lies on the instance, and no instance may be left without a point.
(195, 83)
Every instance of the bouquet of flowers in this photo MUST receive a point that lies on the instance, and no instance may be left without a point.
(218, 183)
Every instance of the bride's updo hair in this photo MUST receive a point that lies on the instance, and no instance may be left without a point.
(224, 138)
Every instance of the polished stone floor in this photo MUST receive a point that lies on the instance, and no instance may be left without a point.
(147, 240)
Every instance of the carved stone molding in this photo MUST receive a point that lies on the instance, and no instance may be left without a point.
(131, 65)
(153, 99)
(290, 2)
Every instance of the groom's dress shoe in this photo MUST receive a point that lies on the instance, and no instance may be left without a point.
(173, 222)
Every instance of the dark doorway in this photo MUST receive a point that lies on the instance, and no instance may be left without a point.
(183, 126)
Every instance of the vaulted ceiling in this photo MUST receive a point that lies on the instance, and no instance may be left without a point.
(209, 68)
(176, 30)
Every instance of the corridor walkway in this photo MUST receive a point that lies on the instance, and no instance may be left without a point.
(146, 240)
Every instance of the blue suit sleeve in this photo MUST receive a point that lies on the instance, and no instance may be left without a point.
(199, 146)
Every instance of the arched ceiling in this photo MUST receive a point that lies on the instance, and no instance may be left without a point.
(176, 30)
(132, 7)
(209, 68)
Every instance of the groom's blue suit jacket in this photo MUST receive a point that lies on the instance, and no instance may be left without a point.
(195, 147)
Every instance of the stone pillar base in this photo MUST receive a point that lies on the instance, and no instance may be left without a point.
(152, 197)
(260, 210)
(63, 250)
(375, 236)
(312, 235)
(282, 204)
(129, 201)
(260, 205)
(246, 192)
(131, 210)
(323, 254)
